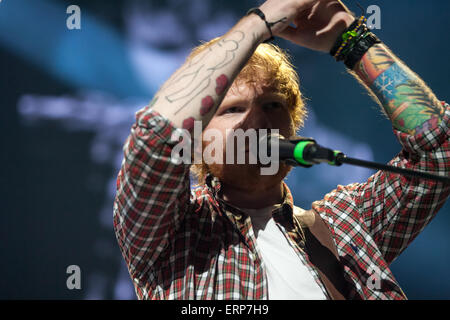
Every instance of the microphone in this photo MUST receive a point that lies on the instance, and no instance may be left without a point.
(304, 152)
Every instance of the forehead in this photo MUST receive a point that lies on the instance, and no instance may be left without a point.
(250, 91)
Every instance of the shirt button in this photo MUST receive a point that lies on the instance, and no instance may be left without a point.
(301, 244)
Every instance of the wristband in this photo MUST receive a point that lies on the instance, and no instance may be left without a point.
(339, 40)
(261, 14)
(360, 49)
(350, 38)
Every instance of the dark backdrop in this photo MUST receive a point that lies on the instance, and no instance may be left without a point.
(68, 98)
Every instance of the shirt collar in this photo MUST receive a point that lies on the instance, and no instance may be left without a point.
(282, 214)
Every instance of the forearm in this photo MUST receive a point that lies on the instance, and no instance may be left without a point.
(408, 102)
(196, 90)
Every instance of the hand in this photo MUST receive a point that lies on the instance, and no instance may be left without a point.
(318, 26)
(283, 12)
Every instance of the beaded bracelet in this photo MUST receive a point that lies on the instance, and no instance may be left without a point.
(347, 38)
(357, 36)
(339, 40)
(353, 43)
(360, 48)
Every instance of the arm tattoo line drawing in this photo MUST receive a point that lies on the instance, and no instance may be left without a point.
(197, 76)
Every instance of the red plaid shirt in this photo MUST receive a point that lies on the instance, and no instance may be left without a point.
(183, 244)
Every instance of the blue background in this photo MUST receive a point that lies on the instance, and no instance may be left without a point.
(68, 99)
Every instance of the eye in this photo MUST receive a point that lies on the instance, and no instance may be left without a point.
(232, 110)
(274, 105)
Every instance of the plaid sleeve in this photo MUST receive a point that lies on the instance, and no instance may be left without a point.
(396, 208)
(152, 193)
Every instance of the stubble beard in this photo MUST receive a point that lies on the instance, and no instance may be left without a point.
(248, 177)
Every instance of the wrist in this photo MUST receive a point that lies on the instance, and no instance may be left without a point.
(353, 43)
(343, 23)
(258, 25)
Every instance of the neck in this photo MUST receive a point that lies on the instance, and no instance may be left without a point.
(252, 199)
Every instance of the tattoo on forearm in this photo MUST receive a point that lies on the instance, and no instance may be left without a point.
(409, 103)
(207, 105)
(188, 123)
(152, 103)
(196, 76)
(373, 64)
(221, 84)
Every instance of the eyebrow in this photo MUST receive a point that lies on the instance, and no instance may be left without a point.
(272, 96)
(262, 98)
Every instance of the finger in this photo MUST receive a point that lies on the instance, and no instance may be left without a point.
(340, 21)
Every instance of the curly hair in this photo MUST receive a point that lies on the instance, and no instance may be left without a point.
(270, 66)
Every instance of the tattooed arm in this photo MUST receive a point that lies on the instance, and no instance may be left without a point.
(153, 193)
(405, 98)
(409, 103)
(394, 208)
(196, 90)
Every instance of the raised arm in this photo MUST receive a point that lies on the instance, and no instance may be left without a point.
(153, 193)
(196, 90)
(406, 99)
(394, 208)
(397, 208)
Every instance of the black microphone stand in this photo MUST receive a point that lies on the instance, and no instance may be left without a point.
(341, 158)
(311, 153)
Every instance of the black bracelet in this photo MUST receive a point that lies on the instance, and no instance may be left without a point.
(360, 49)
(261, 14)
(339, 40)
(360, 33)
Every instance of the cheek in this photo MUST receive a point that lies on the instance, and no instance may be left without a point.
(216, 130)
(284, 124)
(215, 125)
(217, 138)
(223, 123)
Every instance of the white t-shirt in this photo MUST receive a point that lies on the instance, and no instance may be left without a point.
(288, 276)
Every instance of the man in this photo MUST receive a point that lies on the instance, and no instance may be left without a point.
(239, 236)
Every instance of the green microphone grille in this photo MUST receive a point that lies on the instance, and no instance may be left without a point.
(298, 152)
